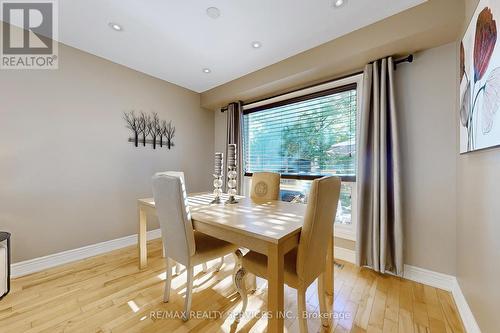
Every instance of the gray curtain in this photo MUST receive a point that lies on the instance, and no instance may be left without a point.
(379, 243)
(234, 135)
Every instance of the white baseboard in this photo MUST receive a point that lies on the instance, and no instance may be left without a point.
(430, 278)
(344, 254)
(56, 259)
(448, 283)
(468, 319)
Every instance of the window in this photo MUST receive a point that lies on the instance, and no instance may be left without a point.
(305, 135)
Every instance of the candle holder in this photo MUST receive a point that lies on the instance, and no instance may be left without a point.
(218, 173)
(217, 189)
(231, 185)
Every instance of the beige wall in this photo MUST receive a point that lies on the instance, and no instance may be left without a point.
(478, 244)
(478, 230)
(426, 93)
(68, 176)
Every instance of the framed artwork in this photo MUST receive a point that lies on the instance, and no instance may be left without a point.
(480, 80)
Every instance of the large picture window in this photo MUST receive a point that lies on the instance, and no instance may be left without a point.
(310, 134)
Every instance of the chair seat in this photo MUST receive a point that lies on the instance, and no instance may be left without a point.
(208, 247)
(256, 263)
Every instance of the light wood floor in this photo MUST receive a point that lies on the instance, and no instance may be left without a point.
(108, 293)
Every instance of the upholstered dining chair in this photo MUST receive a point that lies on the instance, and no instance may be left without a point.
(307, 261)
(181, 175)
(265, 186)
(177, 266)
(182, 243)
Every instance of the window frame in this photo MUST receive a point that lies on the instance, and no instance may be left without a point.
(323, 89)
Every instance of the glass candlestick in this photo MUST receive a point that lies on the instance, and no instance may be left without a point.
(217, 189)
(218, 173)
(231, 185)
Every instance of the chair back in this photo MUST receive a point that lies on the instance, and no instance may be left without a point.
(173, 212)
(317, 230)
(265, 186)
(179, 174)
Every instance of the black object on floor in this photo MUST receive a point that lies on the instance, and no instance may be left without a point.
(5, 241)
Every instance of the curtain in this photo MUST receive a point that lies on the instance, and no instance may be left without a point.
(235, 135)
(379, 242)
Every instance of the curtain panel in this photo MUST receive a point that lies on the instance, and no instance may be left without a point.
(379, 243)
(234, 135)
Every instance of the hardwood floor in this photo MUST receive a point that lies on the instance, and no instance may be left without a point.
(108, 293)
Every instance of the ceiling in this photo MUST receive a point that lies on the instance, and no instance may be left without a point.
(174, 40)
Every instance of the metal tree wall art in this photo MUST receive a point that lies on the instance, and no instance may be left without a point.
(169, 134)
(149, 129)
(133, 124)
(143, 126)
(162, 129)
(152, 125)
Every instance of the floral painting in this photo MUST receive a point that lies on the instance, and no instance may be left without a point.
(480, 80)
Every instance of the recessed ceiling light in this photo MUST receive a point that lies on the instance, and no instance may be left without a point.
(213, 12)
(206, 70)
(115, 26)
(339, 3)
(256, 45)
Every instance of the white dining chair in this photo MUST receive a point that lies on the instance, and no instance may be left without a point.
(306, 262)
(181, 175)
(181, 242)
(177, 266)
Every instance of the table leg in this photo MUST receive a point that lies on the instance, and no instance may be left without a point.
(329, 270)
(142, 245)
(275, 289)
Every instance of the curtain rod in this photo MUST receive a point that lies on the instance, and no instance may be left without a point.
(408, 59)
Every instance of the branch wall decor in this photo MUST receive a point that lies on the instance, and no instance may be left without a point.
(149, 129)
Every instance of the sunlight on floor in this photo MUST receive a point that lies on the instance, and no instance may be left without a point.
(133, 306)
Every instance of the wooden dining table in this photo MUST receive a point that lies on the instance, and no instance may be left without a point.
(269, 227)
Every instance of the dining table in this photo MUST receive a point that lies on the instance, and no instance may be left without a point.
(269, 227)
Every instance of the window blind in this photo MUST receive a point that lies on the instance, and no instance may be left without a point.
(311, 135)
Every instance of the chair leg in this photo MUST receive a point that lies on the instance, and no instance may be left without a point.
(189, 293)
(302, 315)
(168, 281)
(177, 268)
(219, 266)
(322, 301)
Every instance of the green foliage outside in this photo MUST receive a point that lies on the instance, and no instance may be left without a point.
(319, 133)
